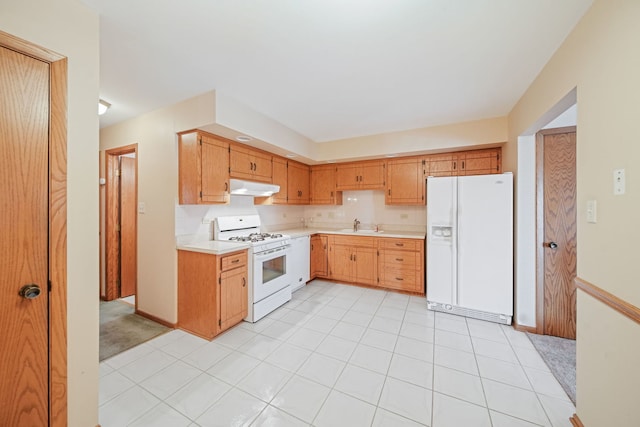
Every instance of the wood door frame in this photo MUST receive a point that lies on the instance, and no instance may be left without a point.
(57, 221)
(111, 195)
(539, 329)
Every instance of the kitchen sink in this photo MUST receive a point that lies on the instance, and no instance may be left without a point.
(350, 230)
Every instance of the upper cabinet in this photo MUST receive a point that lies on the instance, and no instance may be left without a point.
(250, 164)
(298, 183)
(480, 162)
(366, 175)
(405, 181)
(323, 186)
(207, 162)
(279, 178)
(473, 162)
(203, 175)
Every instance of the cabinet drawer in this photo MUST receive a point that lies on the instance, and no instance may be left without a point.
(401, 244)
(366, 242)
(399, 259)
(400, 279)
(234, 260)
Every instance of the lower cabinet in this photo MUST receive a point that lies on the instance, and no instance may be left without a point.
(390, 263)
(319, 256)
(212, 291)
(353, 259)
(401, 264)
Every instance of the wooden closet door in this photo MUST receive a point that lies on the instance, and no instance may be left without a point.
(558, 243)
(24, 157)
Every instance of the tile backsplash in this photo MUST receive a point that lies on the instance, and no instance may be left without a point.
(366, 205)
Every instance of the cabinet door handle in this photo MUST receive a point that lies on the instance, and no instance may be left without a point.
(463, 164)
(354, 257)
(389, 191)
(399, 259)
(244, 282)
(226, 186)
(235, 261)
(399, 244)
(399, 279)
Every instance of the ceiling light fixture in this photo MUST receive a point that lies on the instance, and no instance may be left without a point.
(103, 106)
(243, 138)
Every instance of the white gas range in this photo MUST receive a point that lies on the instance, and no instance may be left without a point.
(268, 262)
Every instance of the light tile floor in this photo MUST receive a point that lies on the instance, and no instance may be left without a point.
(337, 355)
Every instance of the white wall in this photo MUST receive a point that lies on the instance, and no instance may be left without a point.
(595, 58)
(192, 221)
(71, 29)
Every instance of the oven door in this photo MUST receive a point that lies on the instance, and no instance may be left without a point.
(270, 272)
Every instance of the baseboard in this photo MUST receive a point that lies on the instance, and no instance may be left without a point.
(575, 421)
(523, 328)
(156, 319)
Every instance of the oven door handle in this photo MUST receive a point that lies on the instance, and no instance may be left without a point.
(267, 254)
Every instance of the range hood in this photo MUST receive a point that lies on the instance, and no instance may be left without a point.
(249, 188)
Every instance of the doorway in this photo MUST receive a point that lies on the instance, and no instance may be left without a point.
(556, 239)
(121, 223)
(33, 248)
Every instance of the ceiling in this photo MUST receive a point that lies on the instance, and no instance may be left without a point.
(330, 69)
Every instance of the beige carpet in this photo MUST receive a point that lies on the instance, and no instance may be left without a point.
(560, 356)
(122, 329)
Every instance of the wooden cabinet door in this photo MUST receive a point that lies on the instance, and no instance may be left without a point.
(279, 177)
(298, 183)
(443, 164)
(372, 175)
(322, 182)
(203, 164)
(245, 163)
(365, 265)
(347, 177)
(480, 162)
(233, 297)
(261, 166)
(319, 259)
(240, 163)
(197, 293)
(405, 182)
(214, 161)
(341, 267)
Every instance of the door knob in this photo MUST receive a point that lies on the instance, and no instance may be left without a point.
(30, 291)
(552, 245)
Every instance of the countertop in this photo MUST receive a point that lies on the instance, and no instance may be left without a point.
(299, 232)
(215, 247)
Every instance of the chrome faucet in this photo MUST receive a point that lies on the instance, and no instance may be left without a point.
(356, 223)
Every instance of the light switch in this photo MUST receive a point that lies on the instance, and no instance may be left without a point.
(592, 211)
(141, 208)
(618, 182)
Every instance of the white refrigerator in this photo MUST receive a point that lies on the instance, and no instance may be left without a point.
(470, 246)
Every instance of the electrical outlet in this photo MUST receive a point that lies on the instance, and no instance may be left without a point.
(404, 216)
(141, 208)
